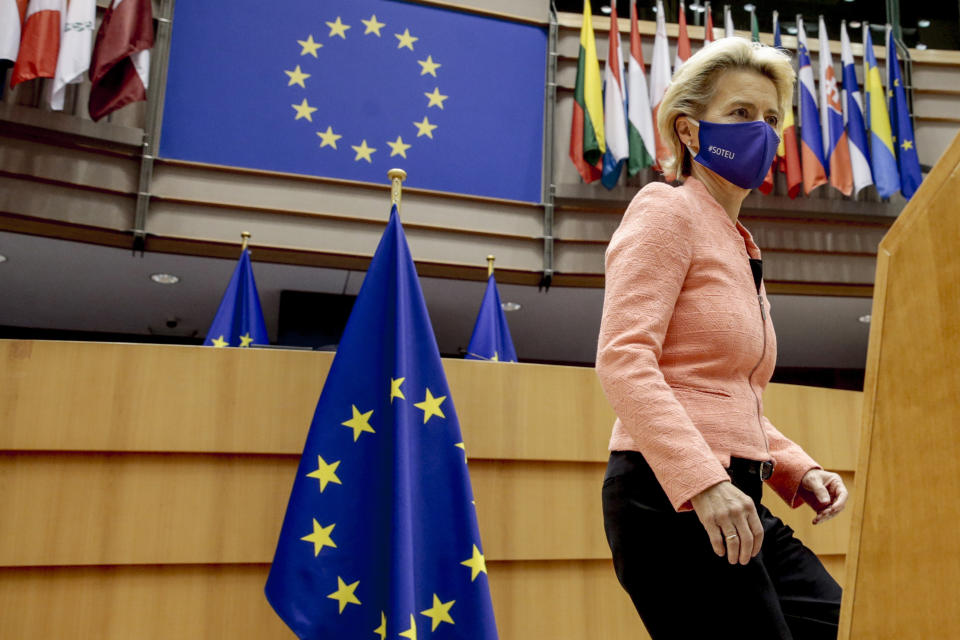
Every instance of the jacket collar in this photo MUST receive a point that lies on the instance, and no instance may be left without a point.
(699, 193)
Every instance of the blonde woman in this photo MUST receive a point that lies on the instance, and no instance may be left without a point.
(686, 349)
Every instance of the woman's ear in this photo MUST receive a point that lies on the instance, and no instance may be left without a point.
(686, 132)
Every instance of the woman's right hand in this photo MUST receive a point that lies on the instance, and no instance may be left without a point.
(731, 521)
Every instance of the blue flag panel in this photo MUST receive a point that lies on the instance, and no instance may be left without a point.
(907, 160)
(350, 88)
(239, 319)
(380, 536)
(491, 334)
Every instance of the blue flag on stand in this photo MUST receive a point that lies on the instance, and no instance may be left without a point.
(239, 320)
(491, 335)
(347, 89)
(907, 159)
(380, 537)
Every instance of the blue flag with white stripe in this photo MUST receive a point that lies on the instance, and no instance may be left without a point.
(380, 537)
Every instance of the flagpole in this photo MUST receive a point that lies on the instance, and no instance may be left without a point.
(246, 238)
(397, 176)
(490, 259)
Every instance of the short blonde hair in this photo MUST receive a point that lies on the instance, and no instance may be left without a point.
(694, 86)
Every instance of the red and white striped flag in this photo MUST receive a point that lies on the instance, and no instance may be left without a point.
(76, 45)
(120, 69)
(39, 41)
(683, 40)
(639, 116)
(708, 28)
(659, 78)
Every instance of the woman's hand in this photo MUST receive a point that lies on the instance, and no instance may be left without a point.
(731, 521)
(824, 492)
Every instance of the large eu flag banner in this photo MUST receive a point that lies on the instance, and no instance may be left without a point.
(350, 88)
(380, 537)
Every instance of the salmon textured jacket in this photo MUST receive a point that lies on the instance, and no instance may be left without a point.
(687, 346)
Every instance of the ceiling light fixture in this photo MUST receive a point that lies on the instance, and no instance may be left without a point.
(923, 23)
(792, 31)
(605, 9)
(920, 46)
(855, 24)
(865, 319)
(749, 7)
(165, 278)
(510, 306)
(3, 258)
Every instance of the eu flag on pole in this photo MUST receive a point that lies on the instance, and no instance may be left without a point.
(347, 89)
(907, 159)
(380, 536)
(239, 320)
(491, 334)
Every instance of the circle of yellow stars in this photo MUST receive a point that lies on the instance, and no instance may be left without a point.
(321, 536)
(363, 152)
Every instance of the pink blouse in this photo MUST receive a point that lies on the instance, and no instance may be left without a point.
(687, 346)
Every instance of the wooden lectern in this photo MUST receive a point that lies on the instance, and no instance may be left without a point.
(903, 563)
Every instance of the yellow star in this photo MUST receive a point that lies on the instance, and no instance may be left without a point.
(373, 26)
(412, 631)
(395, 391)
(304, 110)
(363, 151)
(425, 128)
(338, 28)
(907, 145)
(890, 93)
(382, 629)
(309, 46)
(406, 40)
(476, 564)
(436, 98)
(430, 406)
(428, 66)
(359, 422)
(460, 445)
(297, 77)
(398, 147)
(320, 538)
(896, 82)
(495, 358)
(246, 340)
(439, 612)
(220, 342)
(328, 138)
(325, 473)
(344, 593)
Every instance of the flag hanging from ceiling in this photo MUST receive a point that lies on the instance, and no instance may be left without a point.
(659, 80)
(11, 20)
(380, 536)
(614, 107)
(239, 319)
(811, 140)
(907, 160)
(76, 48)
(120, 68)
(348, 89)
(882, 156)
(853, 116)
(836, 153)
(643, 142)
(683, 39)
(491, 334)
(727, 22)
(587, 143)
(39, 41)
(767, 186)
(754, 26)
(708, 35)
(787, 153)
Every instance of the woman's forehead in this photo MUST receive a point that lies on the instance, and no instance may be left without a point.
(741, 85)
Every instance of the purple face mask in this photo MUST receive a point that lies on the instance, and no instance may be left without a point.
(740, 152)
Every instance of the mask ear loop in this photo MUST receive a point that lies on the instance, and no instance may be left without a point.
(693, 154)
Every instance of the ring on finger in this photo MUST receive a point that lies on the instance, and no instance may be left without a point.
(732, 535)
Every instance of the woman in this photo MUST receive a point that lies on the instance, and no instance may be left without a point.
(686, 349)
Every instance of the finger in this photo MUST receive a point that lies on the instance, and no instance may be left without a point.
(820, 491)
(732, 540)
(756, 527)
(742, 523)
(716, 539)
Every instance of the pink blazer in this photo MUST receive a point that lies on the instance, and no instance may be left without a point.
(685, 351)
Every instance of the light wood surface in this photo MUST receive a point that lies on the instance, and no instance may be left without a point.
(903, 555)
(142, 487)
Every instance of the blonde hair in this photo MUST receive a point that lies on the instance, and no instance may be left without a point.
(694, 86)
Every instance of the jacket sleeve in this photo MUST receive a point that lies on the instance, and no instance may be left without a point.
(792, 463)
(646, 264)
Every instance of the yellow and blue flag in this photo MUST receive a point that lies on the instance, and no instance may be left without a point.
(907, 159)
(347, 89)
(380, 537)
(491, 334)
(239, 319)
(883, 159)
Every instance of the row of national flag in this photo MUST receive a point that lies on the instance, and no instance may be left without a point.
(51, 39)
(847, 139)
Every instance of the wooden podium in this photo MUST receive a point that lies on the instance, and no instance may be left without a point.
(903, 562)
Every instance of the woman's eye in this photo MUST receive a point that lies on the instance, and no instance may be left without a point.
(772, 121)
(741, 112)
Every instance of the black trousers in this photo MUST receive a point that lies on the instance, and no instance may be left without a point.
(683, 590)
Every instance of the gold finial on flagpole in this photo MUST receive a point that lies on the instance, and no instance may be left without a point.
(246, 238)
(490, 260)
(397, 176)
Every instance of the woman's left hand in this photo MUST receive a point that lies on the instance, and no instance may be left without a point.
(825, 492)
